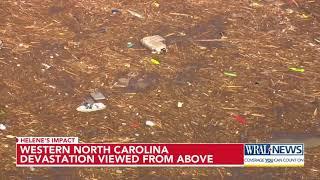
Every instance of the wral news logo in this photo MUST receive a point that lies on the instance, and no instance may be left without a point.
(274, 155)
(273, 149)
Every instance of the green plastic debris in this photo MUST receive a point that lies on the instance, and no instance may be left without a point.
(130, 45)
(297, 69)
(155, 62)
(2, 112)
(232, 74)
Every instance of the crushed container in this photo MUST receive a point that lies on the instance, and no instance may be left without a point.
(155, 43)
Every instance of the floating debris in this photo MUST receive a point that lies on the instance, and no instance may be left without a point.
(297, 69)
(3, 127)
(32, 169)
(97, 95)
(289, 11)
(155, 44)
(135, 125)
(1, 44)
(102, 30)
(115, 11)
(2, 112)
(91, 107)
(122, 83)
(25, 46)
(180, 104)
(209, 40)
(10, 136)
(73, 44)
(255, 4)
(155, 62)
(155, 4)
(142, 82)
(46, 66)
(136, 14)
(130, 45)
(118, 171)
(304, 16)
(181, 14)
(232, 74)
(150, 123)
(88, 100)
(240, 119)
(311, 44)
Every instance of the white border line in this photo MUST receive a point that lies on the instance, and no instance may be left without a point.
(125, 165)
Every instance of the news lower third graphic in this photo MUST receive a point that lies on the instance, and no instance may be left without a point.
(68, 152)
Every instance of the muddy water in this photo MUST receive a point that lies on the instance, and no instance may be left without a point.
(309, 140)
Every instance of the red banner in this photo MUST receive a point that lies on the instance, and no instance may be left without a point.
(100, 155)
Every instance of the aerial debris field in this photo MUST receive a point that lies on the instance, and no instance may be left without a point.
(234, 72)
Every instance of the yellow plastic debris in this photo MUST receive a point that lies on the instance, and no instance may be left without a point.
(155, 62)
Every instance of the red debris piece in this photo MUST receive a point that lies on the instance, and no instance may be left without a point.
(135, 124)
(240, 119)
(293, 2)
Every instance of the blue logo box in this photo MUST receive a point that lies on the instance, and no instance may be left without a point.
(273, 149)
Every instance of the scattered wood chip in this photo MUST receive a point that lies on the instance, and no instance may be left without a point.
(10, 136)
(231, 74)
(180, 14)
(136, 14)
(258, 115)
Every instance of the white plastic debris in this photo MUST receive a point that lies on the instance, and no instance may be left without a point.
(118, 171)
(46, 66)
(97, 95)
(180, 104)
(32, 169)
(10, 136)
(86, 107)
(155, 43)
(150, 123)
(51, 86)
(3, 127)
(136, 14)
